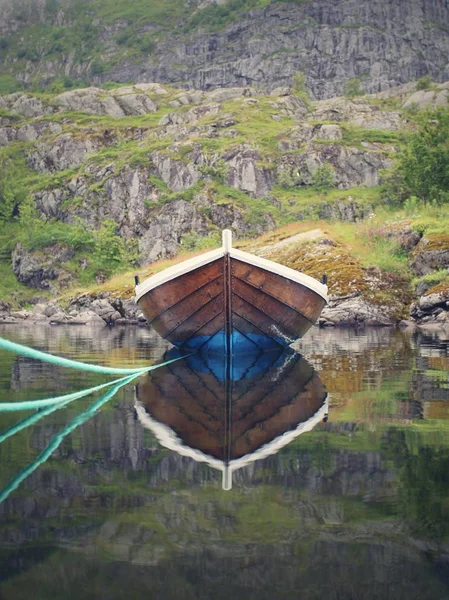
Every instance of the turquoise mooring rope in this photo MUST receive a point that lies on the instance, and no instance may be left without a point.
(73, 364)
(57, 440)
(56, 400)
(66, 362)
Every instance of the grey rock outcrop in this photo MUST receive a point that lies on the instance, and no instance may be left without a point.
(332, 43)
(429, 98)
(383, 44)
(358, 112)
(122, 102)
(430, 256)
(355, 311)
(177, 174)
(26, 106)
(190, 116)
(42, 269)
(28, 132)
(352, 166)
(165, 231)
(246, 174)
(66, 152)
(349, 210)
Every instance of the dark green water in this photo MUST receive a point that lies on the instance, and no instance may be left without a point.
(356, 508)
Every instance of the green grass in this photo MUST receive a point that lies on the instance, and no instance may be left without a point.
(354, 136)
(434, 278)
(8, 84)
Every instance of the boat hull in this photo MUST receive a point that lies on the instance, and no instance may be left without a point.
(233, 303)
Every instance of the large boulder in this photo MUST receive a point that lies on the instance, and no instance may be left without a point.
(136, 104)
(359, 113)
(90, 100)
(429, 98)
(356, 311)
(190, 116)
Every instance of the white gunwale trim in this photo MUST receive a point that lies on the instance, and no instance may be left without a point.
(199, 261)
(176, 271)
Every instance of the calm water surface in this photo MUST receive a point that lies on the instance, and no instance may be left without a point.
(338, 497)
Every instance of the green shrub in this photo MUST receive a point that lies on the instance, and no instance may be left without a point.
(146, 44)
(8, 84)
(109, 248)
(96, 67)
(424, 83)
(286, 179)
(323, 177)
(352, 88)
(423, 165)
(193, 241)
(300, 82)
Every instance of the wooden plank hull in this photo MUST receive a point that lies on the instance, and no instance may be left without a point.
(231, 305)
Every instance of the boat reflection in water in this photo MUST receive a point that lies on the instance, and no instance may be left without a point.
(229, 411)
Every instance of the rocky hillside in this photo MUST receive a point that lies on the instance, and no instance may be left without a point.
(94, 181)
(170, 167)
(224, 43)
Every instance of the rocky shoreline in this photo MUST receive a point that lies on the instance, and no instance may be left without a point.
(104, 309)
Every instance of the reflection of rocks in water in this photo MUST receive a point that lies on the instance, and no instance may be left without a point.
(118, 345)
(345, 512)
(332, 567)
(229, 411)
(78, 340)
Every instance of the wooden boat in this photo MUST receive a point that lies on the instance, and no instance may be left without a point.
(229, 411)
(230, 301)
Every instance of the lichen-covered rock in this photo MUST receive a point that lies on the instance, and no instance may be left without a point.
(28, 132)
(190, 116)
(34, 131)
(405, 236)
(7, 135)
(229, 93)
(90, 100)
(355, 312)
(431, 254)
(118, 103)
(359, 113)
(136, 104)
(434, 300)
(306, 132)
